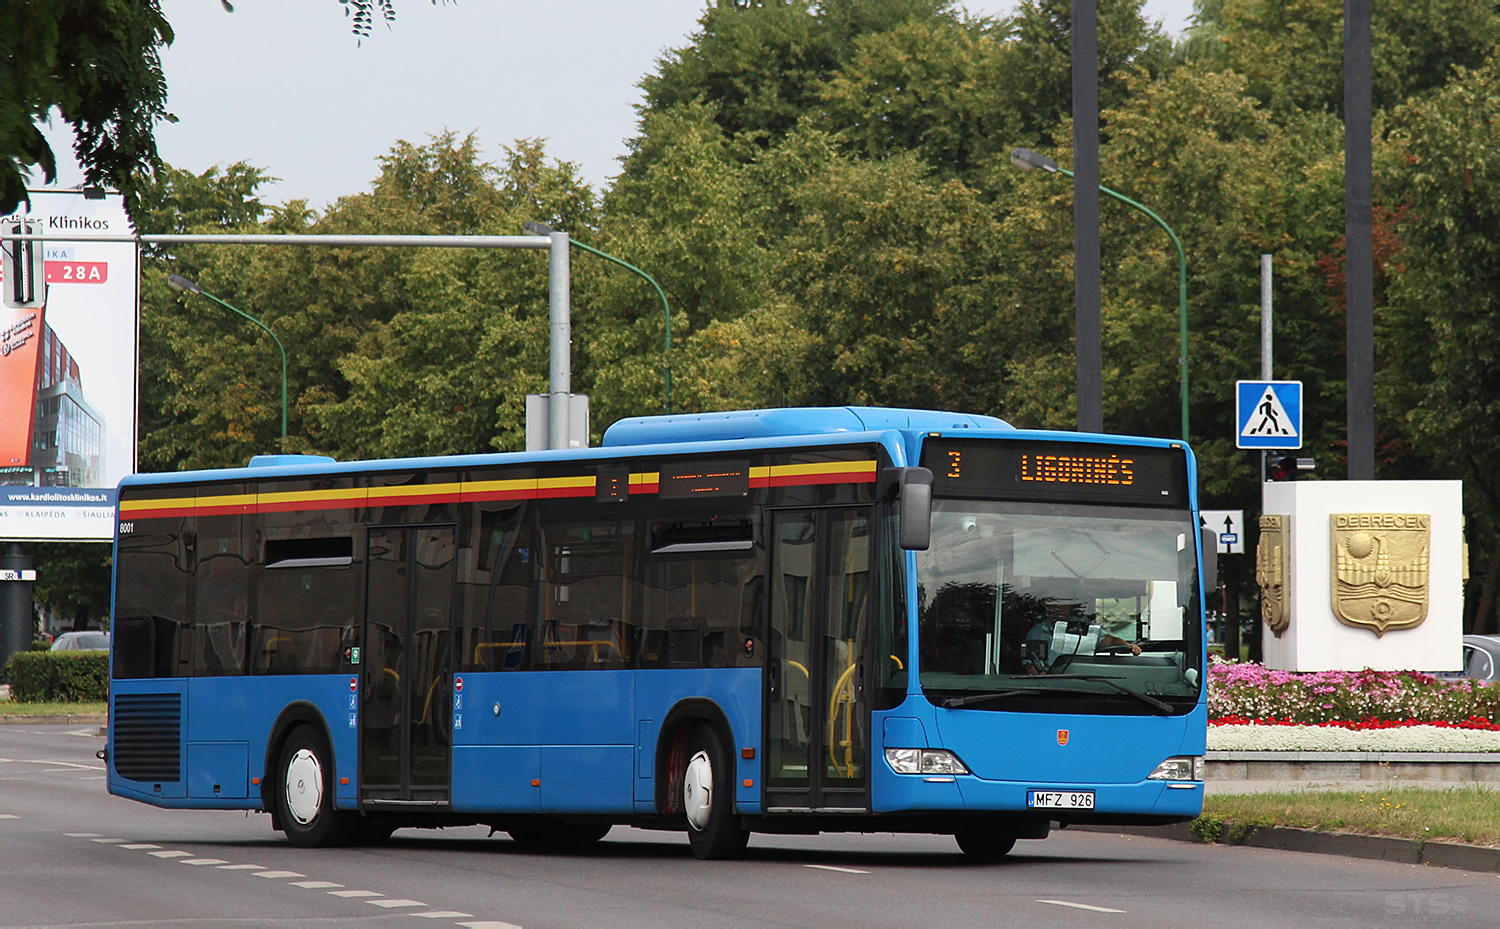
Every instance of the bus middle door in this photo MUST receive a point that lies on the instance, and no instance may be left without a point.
(405, 741)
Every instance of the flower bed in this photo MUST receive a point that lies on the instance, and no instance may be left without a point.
(1251, 708)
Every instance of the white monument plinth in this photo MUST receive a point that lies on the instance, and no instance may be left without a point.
(1390, 597)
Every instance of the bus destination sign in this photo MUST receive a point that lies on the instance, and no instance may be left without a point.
(1057, 470)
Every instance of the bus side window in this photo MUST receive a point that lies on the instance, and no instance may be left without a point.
(496, 581)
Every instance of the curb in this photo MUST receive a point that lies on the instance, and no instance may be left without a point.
(67, 720)
(1348, 844)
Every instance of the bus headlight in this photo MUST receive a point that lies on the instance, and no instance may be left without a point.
(924, 761)
(1179, 768)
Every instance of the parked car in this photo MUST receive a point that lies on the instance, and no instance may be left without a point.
(1482, 657)
(81, 642)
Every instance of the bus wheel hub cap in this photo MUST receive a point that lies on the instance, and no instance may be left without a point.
(304, 786)
(698, 791)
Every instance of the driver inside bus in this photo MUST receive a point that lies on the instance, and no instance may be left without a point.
(1065, 631)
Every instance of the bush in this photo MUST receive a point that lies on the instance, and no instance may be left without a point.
(64, 677)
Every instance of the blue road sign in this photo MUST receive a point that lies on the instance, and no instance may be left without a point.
(1268, 414)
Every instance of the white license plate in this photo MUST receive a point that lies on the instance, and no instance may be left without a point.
(1060, 799)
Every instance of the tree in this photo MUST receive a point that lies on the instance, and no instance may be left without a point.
(98, 63)
(1440, 336)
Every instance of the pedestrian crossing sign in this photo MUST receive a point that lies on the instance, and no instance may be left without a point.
(1268, 414)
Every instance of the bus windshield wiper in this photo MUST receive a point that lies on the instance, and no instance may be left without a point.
(1159, 705)
(955, 702)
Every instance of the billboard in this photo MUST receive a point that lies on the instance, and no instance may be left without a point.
(68, 374)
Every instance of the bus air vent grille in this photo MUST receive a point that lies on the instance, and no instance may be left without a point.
(148, 737)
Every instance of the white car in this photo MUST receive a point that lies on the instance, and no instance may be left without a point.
(81, 642)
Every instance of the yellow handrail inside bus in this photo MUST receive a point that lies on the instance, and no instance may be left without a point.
(838, 696)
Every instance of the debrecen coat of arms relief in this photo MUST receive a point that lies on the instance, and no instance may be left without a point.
(1271, 572)
(1380, 569)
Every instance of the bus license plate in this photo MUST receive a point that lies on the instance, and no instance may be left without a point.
(1060, 799)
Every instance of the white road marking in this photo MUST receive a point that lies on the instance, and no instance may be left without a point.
(76, 835)
(355, 893)
(170, 854)
(829, 867)
(278, 875)
(107, 841)
(443, 914)
(393, 904)
(202, 861)
(316, 885)
(8, 816)
(489, 924)
(1081, 906)
(242, 867)
(60, 764)
(139, 846)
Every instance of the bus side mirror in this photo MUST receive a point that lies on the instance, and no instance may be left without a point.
(1210, 559)
(912, 488)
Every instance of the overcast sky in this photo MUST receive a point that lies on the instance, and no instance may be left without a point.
(283, 85)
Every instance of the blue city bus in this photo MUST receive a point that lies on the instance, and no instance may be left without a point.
(775, 621)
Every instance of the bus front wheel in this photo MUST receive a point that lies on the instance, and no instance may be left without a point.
(304, 792)
(714, 831)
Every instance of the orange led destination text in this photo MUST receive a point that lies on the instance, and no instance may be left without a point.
(1078, 469)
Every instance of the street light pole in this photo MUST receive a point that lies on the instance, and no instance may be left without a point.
(1029, 161)
(182, 285)
(536, 228)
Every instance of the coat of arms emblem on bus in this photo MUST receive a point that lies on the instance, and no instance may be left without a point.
(1271, 572)
(1380, 569)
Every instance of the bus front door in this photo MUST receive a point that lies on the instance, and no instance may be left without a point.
(817, 715)
(405, 739)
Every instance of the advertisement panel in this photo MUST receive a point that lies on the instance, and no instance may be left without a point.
(68, 374)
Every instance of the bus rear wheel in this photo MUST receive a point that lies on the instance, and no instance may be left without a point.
(714, 831)
(985, 844)
(304, 792)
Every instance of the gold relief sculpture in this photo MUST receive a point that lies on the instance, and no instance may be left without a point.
(1271, 572)
(1380, 569)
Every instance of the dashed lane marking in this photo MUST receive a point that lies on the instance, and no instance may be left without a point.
(139, 846)
(395, 904)
(355, 893)
(170, 854)
(829, 867)
(443, 914)
(278, 875)
(8, 816)
(242, 867)
(202, 861)
(316, 885)
(74, 835)
(1081, 906)
(489, 924)
(103, 841)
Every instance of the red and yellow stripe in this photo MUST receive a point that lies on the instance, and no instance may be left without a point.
(546, 488)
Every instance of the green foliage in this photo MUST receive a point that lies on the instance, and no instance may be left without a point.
(73, 578)
(96, 62)
(1291, 51)
(72, 677)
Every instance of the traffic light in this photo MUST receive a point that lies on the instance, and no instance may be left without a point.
(1286, 467)
(23, 271)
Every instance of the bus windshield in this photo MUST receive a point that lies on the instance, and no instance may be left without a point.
(1059, 608)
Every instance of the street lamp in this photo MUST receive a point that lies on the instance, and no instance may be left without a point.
(182, 285)
(1028, 160)
(536, 228)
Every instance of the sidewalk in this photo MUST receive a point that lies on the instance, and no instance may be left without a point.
(1348, 844)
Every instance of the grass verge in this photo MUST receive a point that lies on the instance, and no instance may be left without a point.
(1466, 814)
(48, 710)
